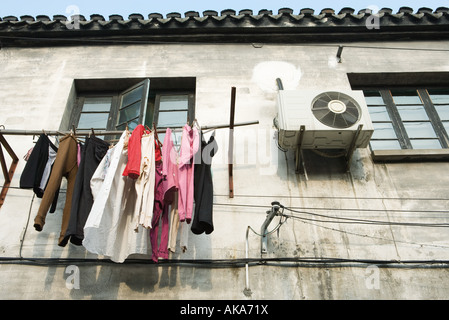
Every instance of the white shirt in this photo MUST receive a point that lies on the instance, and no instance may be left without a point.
(47, 169)
(109, 230)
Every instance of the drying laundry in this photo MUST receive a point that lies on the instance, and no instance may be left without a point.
(203, 186)
(138, 196)
(65, 165)
(37, 170)
(92, 153)
(109, 229)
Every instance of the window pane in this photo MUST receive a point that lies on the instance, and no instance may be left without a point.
(406, 97)
(439, 96)
(129, 113)
(374, 100)
(97, 104)
(379, 114)
(174, 102)
(132, 96)
(412, 113)
(172, 119)
(93, 120)
(425, 144)
(383, 131)
(131, 125)
(419, 130)
(443, 111)
(385, 145)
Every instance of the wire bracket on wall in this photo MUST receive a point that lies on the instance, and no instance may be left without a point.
(339, 52)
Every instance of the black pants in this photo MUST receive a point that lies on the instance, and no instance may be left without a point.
(92, 153)
(34, 168)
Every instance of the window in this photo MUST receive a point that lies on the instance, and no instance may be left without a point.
(412, 119)
(113, 104)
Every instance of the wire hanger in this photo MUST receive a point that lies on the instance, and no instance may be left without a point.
(196, 124)
(92, 133)
(156, 136)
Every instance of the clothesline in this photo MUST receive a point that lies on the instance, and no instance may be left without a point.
(105, 132)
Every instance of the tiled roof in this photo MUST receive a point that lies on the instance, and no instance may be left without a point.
(244, 25)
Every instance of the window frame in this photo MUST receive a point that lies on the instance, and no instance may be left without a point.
(407, 153)
(191, 105)
(149, 109)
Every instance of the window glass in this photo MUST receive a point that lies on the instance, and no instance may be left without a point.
(439, 96)
(95, 113)
(443, 111)
(385, 145)
(97, 104)
(383, 131)
(425, 144)
(172, 119)
(374, 100)
(93, 120)
(419, 130)
(405, 97)
(412, 113)
(131, 125)
(132, 96)
(129, 112)
(133, 103)
(174, 102)
(379, 113)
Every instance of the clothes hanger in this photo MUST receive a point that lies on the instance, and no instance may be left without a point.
(156, 136)
(197, 125)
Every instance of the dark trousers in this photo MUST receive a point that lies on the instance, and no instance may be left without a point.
(93, 152)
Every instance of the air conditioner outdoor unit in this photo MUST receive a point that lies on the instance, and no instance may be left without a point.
(323, 119)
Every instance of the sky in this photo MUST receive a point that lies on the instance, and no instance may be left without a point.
(144, 7)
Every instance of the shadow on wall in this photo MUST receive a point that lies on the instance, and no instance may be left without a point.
(105, 281)
(323, 165)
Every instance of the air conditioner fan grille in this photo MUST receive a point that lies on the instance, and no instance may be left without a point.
(336, 109)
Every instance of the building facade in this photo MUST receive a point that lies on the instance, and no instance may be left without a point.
(371, 223)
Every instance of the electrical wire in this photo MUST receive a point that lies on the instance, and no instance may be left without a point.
(331, 197)
(26, 226)
(361, 221)
(234, 263)
(373, 237)
(337, 209)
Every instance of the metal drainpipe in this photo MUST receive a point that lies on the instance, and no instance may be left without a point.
(279, 83)
(275, 206)
(247, 290)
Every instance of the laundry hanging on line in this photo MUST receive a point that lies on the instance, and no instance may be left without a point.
(118, 197)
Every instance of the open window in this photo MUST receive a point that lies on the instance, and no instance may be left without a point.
(113, 104)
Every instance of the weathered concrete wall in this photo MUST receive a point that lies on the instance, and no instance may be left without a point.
(37, 83)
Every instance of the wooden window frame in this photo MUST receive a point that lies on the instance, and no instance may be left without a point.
(407, 153)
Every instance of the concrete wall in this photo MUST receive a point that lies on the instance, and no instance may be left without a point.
(37, 83)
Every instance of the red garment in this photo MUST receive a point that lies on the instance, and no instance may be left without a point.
(157, 151)
(132, 168)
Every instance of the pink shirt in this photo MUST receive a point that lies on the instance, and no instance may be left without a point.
(179, 170)
(189, 147)
(169, 166)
